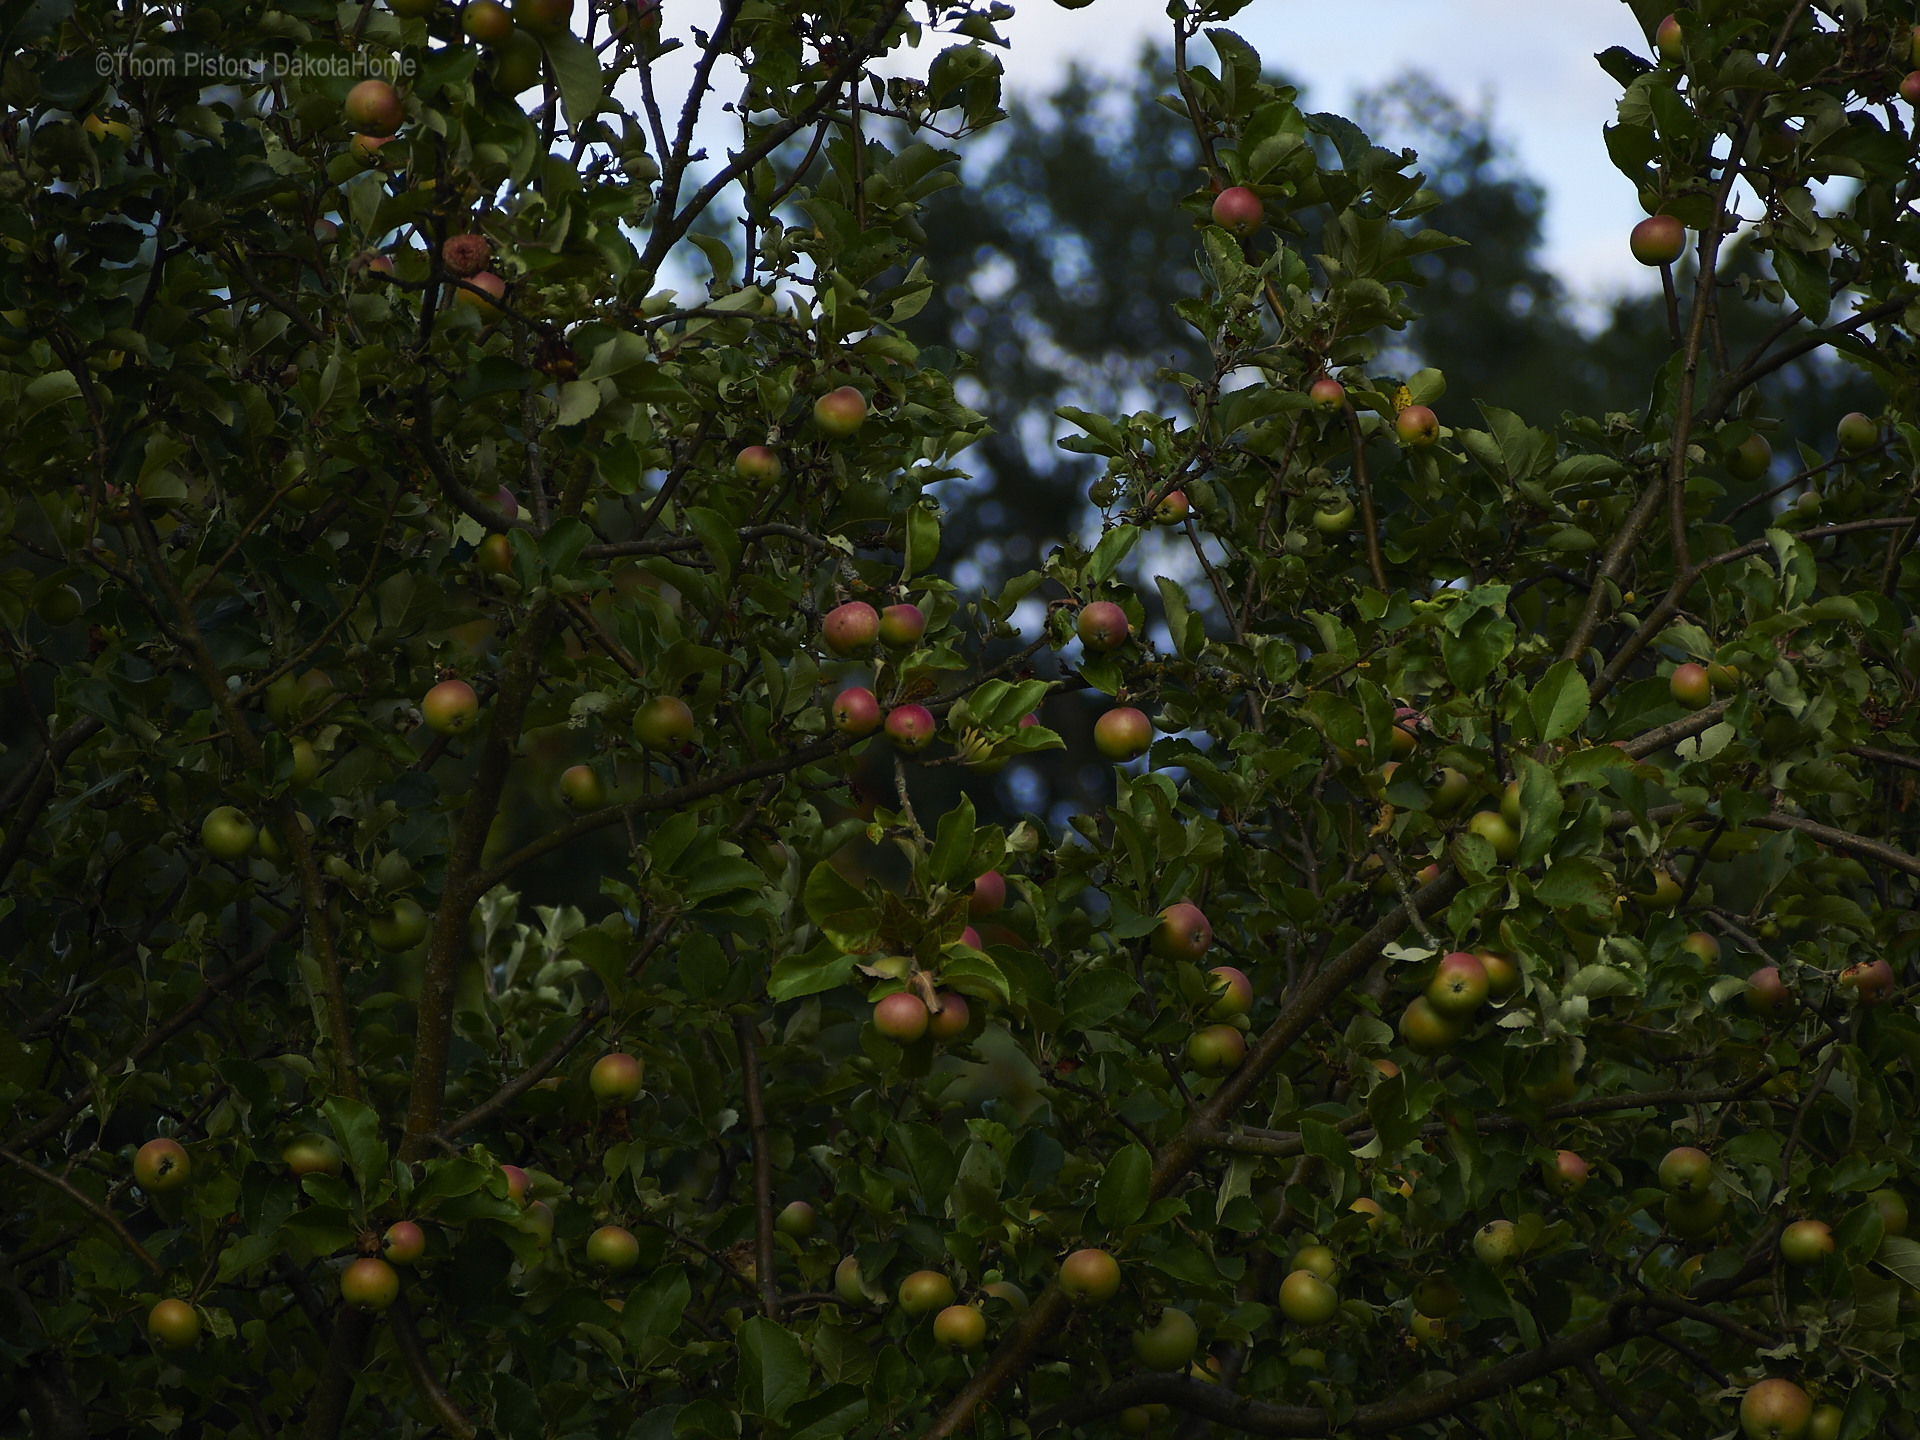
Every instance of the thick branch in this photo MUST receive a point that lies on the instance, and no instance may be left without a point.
(93, 1207)
(406, 1340)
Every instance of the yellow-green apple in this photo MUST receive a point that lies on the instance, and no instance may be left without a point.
(580, 788)
(312, 1155)
(403, 926)
(1436, 1296)
(1170, 1344)
(1690, 686)
(1503, 976)
(174, 1324)
(1496, 1243)
(369, 1284)
(161, 1165)
(615, 1078)
(960, 1327)
(306, 763)
(1857, 432)
(1317, 1260)
(1122, 734)
(1450, 793)
(663, 723)
(1333, 519)
(1825, 1422)
(538, 1222)
(1492, 827)
(925, 1291)
(1216, 1050)
(1306, 1299)
(1703, 947)
(1012, 1294)
(494, 555)
(1183, 933)
(613, 1248)
(1686, 1172)
(1370, 1209)
(1668, 39)
(847, 1282)
(902, 625)
(227, 833)
(1893, 1211)
(480, 292)
(487, 21)
(1806, 1242)
(374, 108)
(1692, 1218)
(542, 17)
(1232, 992)
(795, 1219)
(757, 463)
(911, 728)
(1426, 1030)
(516, 1183)
(1750, 459)
(1090, 1277)
(1775, 1410)
(840, 412)
(404, 1243)
(450, 708)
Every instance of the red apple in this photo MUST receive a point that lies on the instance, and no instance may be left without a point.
(1417, 426)
(924, 1291)
(1090, 1277)
(840, 412)
(1122, 734)
(663, 723)
(487, 21)
(1306, 1299)
(1183, 933)
(613, 1249)
(450, 708)
(989, 894)
(1871, 981)
(1806, 1242)
(516, 1183)
(1216, 1050)
(960, 1327)
(1238, 211)
(404, 1243)
(1102, 626)
(1690, 686)
(1503, 976)
(615, 1079)
(1775, 1410)
(796, 1219)
(911, 728)
(1327, 394)
(1825, 1422)
(850, 628)
(174, 1324)
(1172, 509)
(902, 625)
(1667, 38)
(1686, 1172)
(901, 1017)
(312, 1155)
(1459, 987)
(373, 107)
(856, 712)
(1658, 240)
(490, 287)
(369, 1284)
(494, 555)
(1232, 990)
(950, 1021)
(465, 255)
(757, 463)
(970, 938)
(1566, 1174)
(161, 1165)
(580, 788)
(1703, 947)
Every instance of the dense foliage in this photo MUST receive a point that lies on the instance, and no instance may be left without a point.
(386, 551)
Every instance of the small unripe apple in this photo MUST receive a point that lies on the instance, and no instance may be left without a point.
(450, 708)
(369, 1284)
(1170, 1344)
(970, 938)
(1750, 459)
(1806, 1242)
(851, 628)
(856, 712)
(1183, 933)
(1510, 810)
(1436, 1296)
(1306, 1299)
(1857, 432)
(1703, 947)
(1825, 1422)
(901, 1017)
(1503, 976)
(1428, 1330)
(1910, 87)
(1238, 211)
(847, 1282)
(1172, 509)
(1216, 1050)
(404, 1243)
(911, 728)
(538, 1222)
(989, 894)
(1871, 981)
(306, 763)
(1317, 1260)
(1012, 1294)
(1658, 240)
(925, 1291)
(312, 1155)
(487, 288)
(373, 107)
(902, 625)
(950, 1022)
(615, 1079)
(403, 926)
(795, 1219)
(580, 788)
(227, 834)
(613, 1248)
(494, 555)
(1102, 626)
(1775, 1410)
(1122, 734)
(59, 606)
(516, 1183)
(543, 17)
(1370, 1209)
(1425, 1030)
(161, 1165)
(174, 1324)
(757, 463)
(1668, 39)
(465, 255)
(1492, 827)
(1136, 1420)
(840, 412)
(1566, 1174)
(663, 723)
(1690, 686)
(1417, 426)
(487, 21)
(1724, 678)
(960, 1327)
(1686, 1172)
(1459, 986)
(1496, 1243)
(1334, 520)
(1090, 1277)
(1327, 394)
(1893, 1211)
(1451, 793)
(1232, 990)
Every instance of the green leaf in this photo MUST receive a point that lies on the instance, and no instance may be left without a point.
(576, 71)
(953, 844)
(1481, 642)
(1112, 549)
(1900, 1257)
(578, 400)
(1559, 703)
(797, 975)
(828, 893)
(655, 1307)
(1805, 280)
(718, 538)
(930, 1160)
(1320, 1138)
(357, 1128)
(834, 1412)
(923, 541)
(1096, 996)
(1577, 884)
(773, 1369)
(1123, 1193)
(560, 547)
(1540, 810)
(975, 975)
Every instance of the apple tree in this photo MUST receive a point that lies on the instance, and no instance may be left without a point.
(452, 986)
